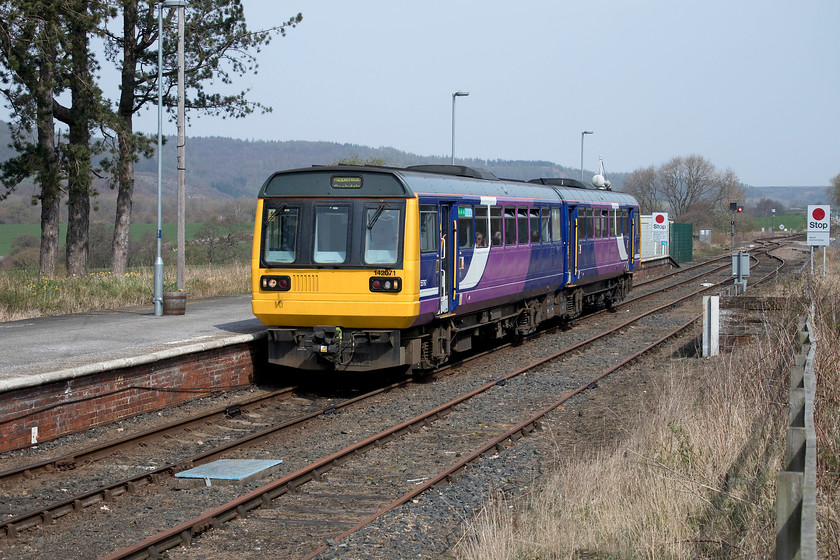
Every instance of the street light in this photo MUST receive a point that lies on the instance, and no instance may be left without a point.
(454, 95)
(181, 235)
(581, 151)
(158, 269)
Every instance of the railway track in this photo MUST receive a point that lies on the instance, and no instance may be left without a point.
(320, 475)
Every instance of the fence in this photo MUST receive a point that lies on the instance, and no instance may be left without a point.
(796, 486)
(680, 245)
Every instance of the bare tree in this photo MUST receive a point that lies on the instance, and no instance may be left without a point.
(765, 206)
(642, 184)
(688, 187)
(835, 188)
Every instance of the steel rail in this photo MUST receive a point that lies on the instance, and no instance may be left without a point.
(11, 527)
(92, 453)
(183, 533)
(517, 432)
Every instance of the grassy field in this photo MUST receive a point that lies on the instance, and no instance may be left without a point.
(8, 232)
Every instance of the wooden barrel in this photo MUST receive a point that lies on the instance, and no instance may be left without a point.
(174, 303)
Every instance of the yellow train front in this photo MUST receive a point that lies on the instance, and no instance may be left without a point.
(333, 276)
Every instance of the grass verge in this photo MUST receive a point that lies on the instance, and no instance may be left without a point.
(697, 478)
(23, 295)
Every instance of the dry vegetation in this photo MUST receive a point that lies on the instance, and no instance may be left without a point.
(696, 479)
(24, 295)
(826, 297)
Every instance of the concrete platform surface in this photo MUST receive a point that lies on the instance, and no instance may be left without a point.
(47, 349)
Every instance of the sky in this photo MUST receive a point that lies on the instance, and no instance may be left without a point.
(751, 85)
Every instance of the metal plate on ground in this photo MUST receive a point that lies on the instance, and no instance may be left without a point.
(228, 471)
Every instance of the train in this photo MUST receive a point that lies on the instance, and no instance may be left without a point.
(362, 268)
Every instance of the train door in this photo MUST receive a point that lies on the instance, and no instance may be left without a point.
(631, 214)
(448, 258)
(572, 243)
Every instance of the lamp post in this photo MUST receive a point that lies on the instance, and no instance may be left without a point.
(454, 95)
(158, 269)
(181, 236)
(582, 134)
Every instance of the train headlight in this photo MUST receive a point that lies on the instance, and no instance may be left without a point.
(389, 284)
(275, 283)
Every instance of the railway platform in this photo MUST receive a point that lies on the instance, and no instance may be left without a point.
(65, 374)
(49, 349)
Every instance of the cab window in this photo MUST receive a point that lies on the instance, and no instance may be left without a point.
(381, 235)
(280, 234)
(332, 225)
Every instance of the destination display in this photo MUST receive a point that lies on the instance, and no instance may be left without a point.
(345, 182)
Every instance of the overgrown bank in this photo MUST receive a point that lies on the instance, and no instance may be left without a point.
(695, 478)
(24, 295)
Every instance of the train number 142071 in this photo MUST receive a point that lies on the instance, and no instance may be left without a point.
(385, 272)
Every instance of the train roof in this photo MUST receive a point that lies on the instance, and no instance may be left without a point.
(354, 181)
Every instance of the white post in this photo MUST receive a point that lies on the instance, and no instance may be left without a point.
(711, 326)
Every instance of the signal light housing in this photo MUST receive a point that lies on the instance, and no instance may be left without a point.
(392, 284)
(275, 283)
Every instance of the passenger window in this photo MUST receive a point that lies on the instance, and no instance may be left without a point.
(556, 225)
(590, 224)
(545, 225)
(381, 235)
(510, 226)
(465, 227)
(429, 233)
(597, 221)
(280, 234)
(331, 234)
(496, 225)
(481, 227)
(534, 215)
(522, 226)
(581, 223)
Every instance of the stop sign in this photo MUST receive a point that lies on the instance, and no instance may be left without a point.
(819, 224)
(659, 227)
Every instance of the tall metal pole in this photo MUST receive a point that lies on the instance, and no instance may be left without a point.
(581, 151)
(454, 95)
(732, 232)
(181, 269)
(158, 270)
